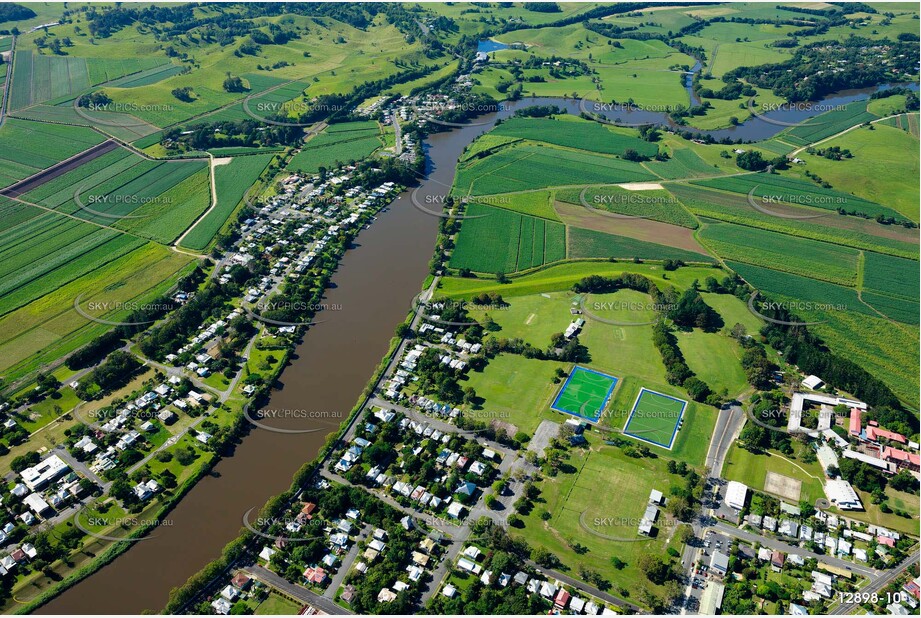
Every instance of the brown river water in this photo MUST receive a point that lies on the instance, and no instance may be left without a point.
(372, 291)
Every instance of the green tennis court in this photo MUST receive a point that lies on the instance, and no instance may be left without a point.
(585, 393)
(655, 418)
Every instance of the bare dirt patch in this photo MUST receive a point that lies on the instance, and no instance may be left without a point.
(783, 486)
(640, 229)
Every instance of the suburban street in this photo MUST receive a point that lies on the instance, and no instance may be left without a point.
(300, 593)
(878, 583)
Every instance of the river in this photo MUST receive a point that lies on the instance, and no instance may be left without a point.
(374, 286)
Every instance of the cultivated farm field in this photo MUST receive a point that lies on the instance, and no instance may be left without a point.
(800, 256)
(522, 168)
(233, 180)
(575, 133)
(499, 240)
(20, 159)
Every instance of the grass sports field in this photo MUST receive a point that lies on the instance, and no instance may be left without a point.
(655, 418)
(585, 393)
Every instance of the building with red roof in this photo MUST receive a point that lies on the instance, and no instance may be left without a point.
(901, 458)
(315, 575)
(875, 433)
(855, 421)
(561, 599)
(886, 540)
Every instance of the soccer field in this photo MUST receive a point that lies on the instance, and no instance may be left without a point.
(585, 393)
(655, 418)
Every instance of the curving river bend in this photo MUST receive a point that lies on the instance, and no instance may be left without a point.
(374, 286)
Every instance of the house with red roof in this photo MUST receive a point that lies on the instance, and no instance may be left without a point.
(886, 540)
(561, 599)
(315, 575)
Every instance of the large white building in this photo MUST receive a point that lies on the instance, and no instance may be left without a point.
(736, 493)
(43, 472)
(841, 494)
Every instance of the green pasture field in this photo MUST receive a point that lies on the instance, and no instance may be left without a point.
(795, 191)
(800, 256)
(732, 310)
(682, 163)
(648, 83)
(888, 106)
(731, 55)
(233, 180)
(716, 358)
(585, 393)
(657, 205)
(327, 149)
(582, 243)
(576, 133)
(121, 126)
(720, 112)
(655, 418)
(487, 141)
(828, 124)
(277, 605)
(842, 230)
(267, 96)
(599, 490)
(472, 21)
(131, 72)
(522, 168)
(502, 240)
(6, 43)
(19, 157)
(557, 277)
(852, 328)
(884, 167)
(534, 318)
(331, 56)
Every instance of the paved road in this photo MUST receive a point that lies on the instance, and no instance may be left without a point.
(580, 585)
(728, 425)
(876, 585)
(776, 544)
(346, 565)
(80, 467)
(298, 592)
